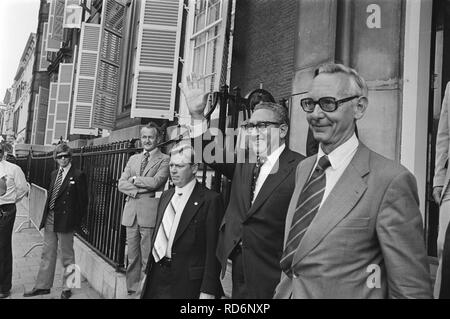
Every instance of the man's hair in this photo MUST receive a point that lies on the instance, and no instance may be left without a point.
(183, 148)
(6, 147)
(159, 131)
(259, 95)
(357, 83)
(62, 148)
(281, 112)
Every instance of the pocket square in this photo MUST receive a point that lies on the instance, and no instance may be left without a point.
(72, 182)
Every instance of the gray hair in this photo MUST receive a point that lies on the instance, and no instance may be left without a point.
(357, 83)
(150, 125)
(280, 111)
(183, 149)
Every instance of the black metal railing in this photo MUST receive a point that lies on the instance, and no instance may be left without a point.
(101, 228)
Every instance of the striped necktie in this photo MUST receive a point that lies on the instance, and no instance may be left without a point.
(256, 170)
(144, 162)
(162, 237)
(307, 208)
(56, 188)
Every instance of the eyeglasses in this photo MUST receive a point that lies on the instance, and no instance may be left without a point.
(259, 125)
(63, 156)
(327, 104)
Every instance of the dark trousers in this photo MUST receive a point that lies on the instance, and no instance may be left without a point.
(239, 290)
(7, 217)
(159, 281)
(445, 279)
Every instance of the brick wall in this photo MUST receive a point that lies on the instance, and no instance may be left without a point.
(264, 46)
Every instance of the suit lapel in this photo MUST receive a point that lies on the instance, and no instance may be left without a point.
(152, 161)
(164, 201)
(193, 204)
(343, 197)
(279, 172)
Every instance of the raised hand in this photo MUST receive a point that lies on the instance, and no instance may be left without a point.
(195, 94)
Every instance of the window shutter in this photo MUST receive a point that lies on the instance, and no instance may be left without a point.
(72, 14)
(51, 113)
(63, 101)
(41, 115)
(86, 80)
(57, 28)
(33, 128)
(107, 86)
(43, 63)
(52, 45)
(157, 59)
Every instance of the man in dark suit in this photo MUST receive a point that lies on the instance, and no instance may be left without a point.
(182, 263)
(66, 205)
(353, 228)
(251, 234)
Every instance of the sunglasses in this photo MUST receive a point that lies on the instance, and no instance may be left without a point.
(327, 104)
(63, 156)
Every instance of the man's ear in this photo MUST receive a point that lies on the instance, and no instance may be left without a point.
(284, 129)
(361, 107)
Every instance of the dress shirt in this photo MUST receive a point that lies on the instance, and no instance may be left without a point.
(179, 200)
(266, 168)
(16, 183)
(65, 171)
(339, 160)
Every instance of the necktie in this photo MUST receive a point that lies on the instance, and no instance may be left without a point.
(55, 190)
(144, 162)
(162, 237)
(307, 208)
(256, 170)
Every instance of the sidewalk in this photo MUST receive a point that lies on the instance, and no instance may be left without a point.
(25, 268)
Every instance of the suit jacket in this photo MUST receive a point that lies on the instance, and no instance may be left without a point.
(441, 170)
(143, 206)
(260, 226)
(195, 267)
(369, 225)
(71, 202)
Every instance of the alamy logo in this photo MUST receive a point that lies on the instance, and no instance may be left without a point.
(73, 276)
(374, 279)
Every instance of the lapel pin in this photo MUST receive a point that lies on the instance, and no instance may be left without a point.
(195, 203)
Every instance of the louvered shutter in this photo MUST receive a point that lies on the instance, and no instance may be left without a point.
(58, 17)
(52, 45)
(108, 76)
(63, 101)
(41, 115)
(51, 113)
(86, 80)
(157, 59)
(33, 127)
(43, 63)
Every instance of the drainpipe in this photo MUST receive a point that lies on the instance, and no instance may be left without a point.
(344, 32)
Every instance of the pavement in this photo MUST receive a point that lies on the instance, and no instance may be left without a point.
(25, 269)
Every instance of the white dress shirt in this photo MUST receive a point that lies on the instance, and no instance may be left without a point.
(179, 200)
(339, 160)
(65, 171)
(16, 184)
(266, 168)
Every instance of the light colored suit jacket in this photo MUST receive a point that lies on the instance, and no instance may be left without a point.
(441, 173)
(155, 175)
(370, 220)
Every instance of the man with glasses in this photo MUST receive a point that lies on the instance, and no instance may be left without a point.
(353, 228)
(67, 203)
(13, 187)
(251, 233)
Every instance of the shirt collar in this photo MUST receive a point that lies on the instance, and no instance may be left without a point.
(152, 152)
(337, 156)
(67, 168)
(186, 189)
(273, 157)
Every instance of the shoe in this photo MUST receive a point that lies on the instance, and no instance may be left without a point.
(36, 292)
(5, 294)
(66, 294)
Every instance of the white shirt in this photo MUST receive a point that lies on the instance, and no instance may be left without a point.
(65, 171)
(266, 168)
(339, 160)
(16, 183)
(179, 200)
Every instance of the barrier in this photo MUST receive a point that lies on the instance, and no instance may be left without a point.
(37, 200)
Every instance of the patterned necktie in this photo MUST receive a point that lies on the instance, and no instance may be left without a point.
(162, 237)
(56, 189)
(256, 170)
(144, 162)
(307, 208)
